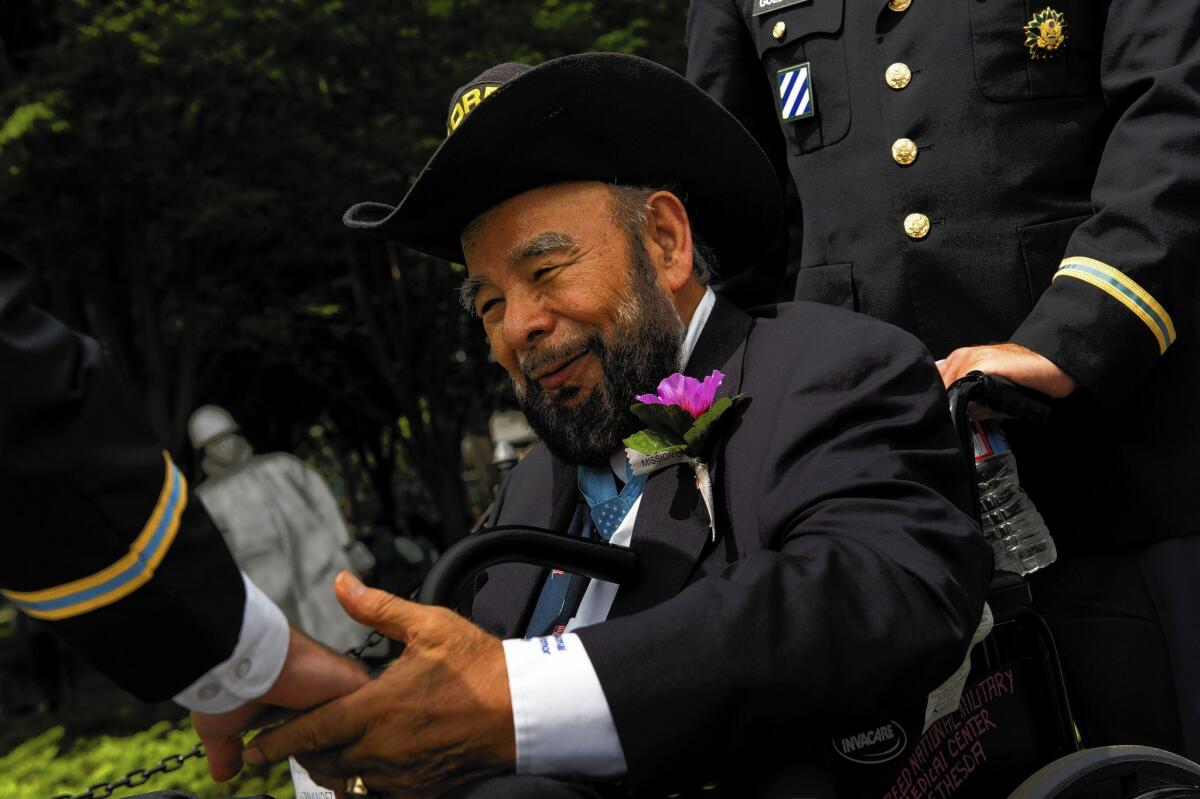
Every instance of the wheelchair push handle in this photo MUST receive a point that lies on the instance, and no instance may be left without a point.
(1000, 394)
(537, 546)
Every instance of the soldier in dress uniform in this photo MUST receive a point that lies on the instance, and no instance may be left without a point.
(102, 543)
(1025, 173)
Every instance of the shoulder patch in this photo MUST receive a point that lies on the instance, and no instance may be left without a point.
(795, 92)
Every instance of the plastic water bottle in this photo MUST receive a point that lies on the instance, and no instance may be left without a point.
(1011, 524)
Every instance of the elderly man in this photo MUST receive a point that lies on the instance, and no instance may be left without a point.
(839, 575)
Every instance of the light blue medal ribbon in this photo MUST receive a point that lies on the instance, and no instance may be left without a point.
(562, 592)
(608, 507)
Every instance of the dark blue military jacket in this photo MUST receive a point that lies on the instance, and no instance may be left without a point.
(989, 170)
(99, 537)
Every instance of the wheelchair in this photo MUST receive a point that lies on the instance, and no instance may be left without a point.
(1014, 715)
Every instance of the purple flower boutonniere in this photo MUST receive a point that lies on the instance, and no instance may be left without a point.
(679, 420)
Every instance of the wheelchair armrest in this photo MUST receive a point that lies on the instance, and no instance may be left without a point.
(1008, 594)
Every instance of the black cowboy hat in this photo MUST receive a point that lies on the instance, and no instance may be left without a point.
(594, 116)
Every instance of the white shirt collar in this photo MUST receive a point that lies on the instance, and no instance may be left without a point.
(696, 326)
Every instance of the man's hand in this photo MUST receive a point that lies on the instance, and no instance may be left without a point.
(1019, 364)
(439, 717)
(311, 674)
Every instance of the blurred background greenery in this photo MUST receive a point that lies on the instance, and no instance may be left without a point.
(175, 172)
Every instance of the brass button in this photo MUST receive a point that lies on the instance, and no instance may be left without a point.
(898, 76)
(916, 226)
(899, 5)
(904, 151)
(779, 31)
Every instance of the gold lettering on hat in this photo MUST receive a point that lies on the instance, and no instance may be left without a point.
(466, 104)
(456, 118)
(470, 100)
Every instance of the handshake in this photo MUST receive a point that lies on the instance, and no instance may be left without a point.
(439, 717)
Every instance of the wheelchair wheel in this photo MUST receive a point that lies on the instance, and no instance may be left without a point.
(1124, 772)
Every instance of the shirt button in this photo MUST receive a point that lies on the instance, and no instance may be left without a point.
(242, 668)
(779, 31)
(899, 5)
(904, 151)
(916, 226)
(207, 692)
(898, 76)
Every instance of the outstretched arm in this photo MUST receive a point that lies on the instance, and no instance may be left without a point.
(100, 539)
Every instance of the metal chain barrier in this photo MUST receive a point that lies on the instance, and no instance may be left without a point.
(374, 639)
(140, 776)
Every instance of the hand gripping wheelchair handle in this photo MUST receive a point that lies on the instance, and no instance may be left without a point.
(599, 560)
(1001, 395)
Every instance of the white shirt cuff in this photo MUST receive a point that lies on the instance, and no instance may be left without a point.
(254, 665)
(563, 724)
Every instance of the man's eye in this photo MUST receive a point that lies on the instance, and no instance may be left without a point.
(487, 306)
(545, 270)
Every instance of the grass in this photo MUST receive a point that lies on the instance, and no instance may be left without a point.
(105, 735)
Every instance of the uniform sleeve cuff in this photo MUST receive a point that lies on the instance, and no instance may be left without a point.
(1084, 330)
(254, 665)
(562, 721)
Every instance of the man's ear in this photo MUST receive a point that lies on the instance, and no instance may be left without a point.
(668, 237)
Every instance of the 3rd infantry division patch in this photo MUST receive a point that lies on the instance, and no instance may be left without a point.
(795, 92)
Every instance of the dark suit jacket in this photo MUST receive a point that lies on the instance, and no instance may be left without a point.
(846, 576)
(1087, 156)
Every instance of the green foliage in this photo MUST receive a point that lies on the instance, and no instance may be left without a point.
(24, 117)
(176, 170)
(47, 765)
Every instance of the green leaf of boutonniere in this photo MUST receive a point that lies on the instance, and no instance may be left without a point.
(650, 441)
(697, 436)
(669, 420)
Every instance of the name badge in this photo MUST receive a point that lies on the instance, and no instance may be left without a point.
(641, 463)
(304, 785)
(767, 6)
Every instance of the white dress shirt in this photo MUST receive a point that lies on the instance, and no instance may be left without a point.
(563, 724)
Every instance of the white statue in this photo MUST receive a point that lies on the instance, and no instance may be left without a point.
(281, 523)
